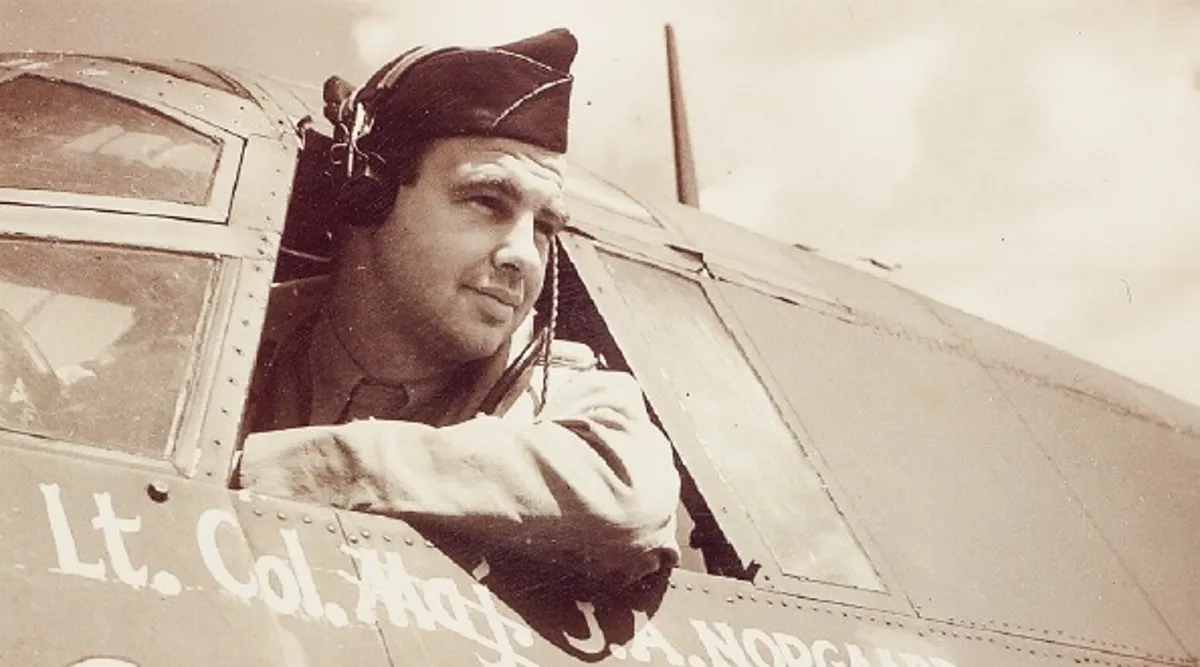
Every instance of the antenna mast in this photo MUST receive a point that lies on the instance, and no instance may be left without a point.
(686, 186)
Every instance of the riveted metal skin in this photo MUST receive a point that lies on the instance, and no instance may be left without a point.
(1154, 524)
(262, 206)
(878, 303)
(893, 448)
(217, 107)
(286, 103)
(745, 256)
(212, 457)
(304, 574)
(158, 491)
(266, 178)
(1002, 350)
(461, 604)
(92, 566)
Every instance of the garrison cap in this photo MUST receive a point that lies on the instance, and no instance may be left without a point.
(520, 90)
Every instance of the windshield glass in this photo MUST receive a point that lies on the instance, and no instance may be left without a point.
(67, 138)
(96, 342)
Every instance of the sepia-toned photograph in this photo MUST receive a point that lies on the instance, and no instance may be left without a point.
(710, 334)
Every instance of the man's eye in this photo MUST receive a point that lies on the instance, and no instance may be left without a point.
(493, 205)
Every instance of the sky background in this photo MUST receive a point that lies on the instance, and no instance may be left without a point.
(1034, 162)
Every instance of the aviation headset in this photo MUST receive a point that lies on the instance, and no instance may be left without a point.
(365, 184)
(365, 193)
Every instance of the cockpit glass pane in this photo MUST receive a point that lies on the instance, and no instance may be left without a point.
(67, 138)
(741, 429)
(96, 343)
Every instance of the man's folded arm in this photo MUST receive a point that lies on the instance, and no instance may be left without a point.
(590, 478)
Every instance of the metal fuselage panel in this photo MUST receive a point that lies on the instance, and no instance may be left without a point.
(155, 562)
(92, 566)
(106, 560)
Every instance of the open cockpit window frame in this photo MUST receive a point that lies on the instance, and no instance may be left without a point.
(215, 210)
(205, 426)
(732, 514)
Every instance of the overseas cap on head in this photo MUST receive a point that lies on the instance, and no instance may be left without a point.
(517, 91)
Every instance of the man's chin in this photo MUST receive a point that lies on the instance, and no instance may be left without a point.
(475, 345)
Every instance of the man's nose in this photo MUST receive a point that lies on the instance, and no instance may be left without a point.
(518, 249)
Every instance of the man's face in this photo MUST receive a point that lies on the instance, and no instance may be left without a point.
(462, 256)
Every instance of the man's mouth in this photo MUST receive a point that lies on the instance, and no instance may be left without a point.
(508, 297)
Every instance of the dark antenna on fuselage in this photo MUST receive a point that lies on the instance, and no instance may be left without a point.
(686, 186)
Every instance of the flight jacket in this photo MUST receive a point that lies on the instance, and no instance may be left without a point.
(586, 480)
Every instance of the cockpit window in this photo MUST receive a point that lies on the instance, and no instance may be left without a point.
(67, 138)
(96, 342)
(741, 429)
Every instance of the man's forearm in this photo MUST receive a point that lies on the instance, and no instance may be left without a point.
(546, 487)
(594, 477)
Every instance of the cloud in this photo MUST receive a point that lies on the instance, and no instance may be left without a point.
(831, 139)
(1035, 164)
(1095, 248)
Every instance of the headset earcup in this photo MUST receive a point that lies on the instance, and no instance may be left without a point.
(365, 201)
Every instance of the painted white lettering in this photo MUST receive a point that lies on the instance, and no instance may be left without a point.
(206, 539)
(723, 649)
(448, 607)
(336, 615)
(166, 584)
(647, 637)
(938, 662)
(754, 640)
(795, 651)
(594, 642)
(857, 657)
(482, 570)
(64, 539)
(499, 627)
(114, 529)
(310, 598)
(391, 584)
(885, 658)
(911, 660)
(269, 569)
(388, 580)
(822, 648)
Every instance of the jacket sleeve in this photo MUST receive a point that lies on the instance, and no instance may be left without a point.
(589, 482)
